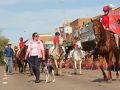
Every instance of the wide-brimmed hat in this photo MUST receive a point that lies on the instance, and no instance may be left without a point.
(111, 6)
(9, 43)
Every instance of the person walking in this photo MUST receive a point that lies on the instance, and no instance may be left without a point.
(36, 52)
(8, 56)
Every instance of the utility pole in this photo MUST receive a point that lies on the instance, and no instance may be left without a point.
(63, 12)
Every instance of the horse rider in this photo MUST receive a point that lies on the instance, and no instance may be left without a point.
(55, 41)
(105, 22)
(21, 45)
(15, 48)
(74, 45)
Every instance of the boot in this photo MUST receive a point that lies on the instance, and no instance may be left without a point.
(116, 42)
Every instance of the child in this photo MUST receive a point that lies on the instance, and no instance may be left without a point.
(55, 41)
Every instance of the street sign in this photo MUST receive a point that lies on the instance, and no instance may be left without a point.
(114, 21)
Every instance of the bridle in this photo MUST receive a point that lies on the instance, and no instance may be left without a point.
(100, 37)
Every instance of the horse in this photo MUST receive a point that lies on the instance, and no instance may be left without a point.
(106, 48)
(22, 63)
(77, 56)
(58, 55)
(16, 59)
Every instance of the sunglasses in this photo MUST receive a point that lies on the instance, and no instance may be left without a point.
(36, 36)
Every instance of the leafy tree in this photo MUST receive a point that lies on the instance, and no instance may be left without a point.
(3, 43)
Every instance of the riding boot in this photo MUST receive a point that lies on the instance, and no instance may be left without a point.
(51, 54)
(116, 42)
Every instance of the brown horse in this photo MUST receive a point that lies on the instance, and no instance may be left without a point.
(22, 63)
(106, 48)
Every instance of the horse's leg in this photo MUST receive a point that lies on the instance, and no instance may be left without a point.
(53, 64)
(109, 60)
(15, 63)
(61, 67)
(101, 66)
(25, 65)
(75, 68)
(56, 64)
(117, 59)
(80, 65)
(22, 66)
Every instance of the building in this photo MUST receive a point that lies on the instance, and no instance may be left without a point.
(75, 32)
(47, 39)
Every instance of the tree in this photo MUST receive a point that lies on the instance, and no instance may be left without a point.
(3, 43)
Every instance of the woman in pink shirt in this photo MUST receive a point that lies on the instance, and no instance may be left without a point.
(36, 52)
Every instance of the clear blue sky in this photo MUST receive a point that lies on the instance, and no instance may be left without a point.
(42, 16)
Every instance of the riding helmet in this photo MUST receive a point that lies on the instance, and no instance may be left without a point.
(106, 8)
(21, 39)
(57, 33)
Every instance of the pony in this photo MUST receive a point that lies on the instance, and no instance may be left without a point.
(77, 56)
(16, 59)
(58, 55)
(106, 48)
(22, 63)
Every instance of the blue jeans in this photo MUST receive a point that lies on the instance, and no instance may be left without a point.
(9, 64)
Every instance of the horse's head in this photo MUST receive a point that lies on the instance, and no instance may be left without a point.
(78, 44)
(97, 29)
(60, 41)
(25, 48)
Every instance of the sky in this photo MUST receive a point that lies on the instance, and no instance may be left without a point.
(21, 18)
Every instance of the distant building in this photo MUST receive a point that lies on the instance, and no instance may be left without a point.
(47, 39)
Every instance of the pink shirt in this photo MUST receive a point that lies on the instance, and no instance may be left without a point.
(39, 48)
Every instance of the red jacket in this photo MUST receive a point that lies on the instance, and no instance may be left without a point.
(22, 44)
(74, 44)
(105, 20)
(55, 40)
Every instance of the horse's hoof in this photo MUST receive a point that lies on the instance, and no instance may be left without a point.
(56, 74)
(117, 79)
(53, 81)
(61, 74)
(110, 81)
(75, 73)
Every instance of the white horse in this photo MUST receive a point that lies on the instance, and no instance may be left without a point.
(78, 55)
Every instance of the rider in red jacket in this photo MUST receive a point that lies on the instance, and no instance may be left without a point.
(75, 41)
(74, 46)
(22, 43)
(105, 23)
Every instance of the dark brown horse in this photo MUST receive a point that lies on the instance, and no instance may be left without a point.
(106, 48)
(22, 63)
